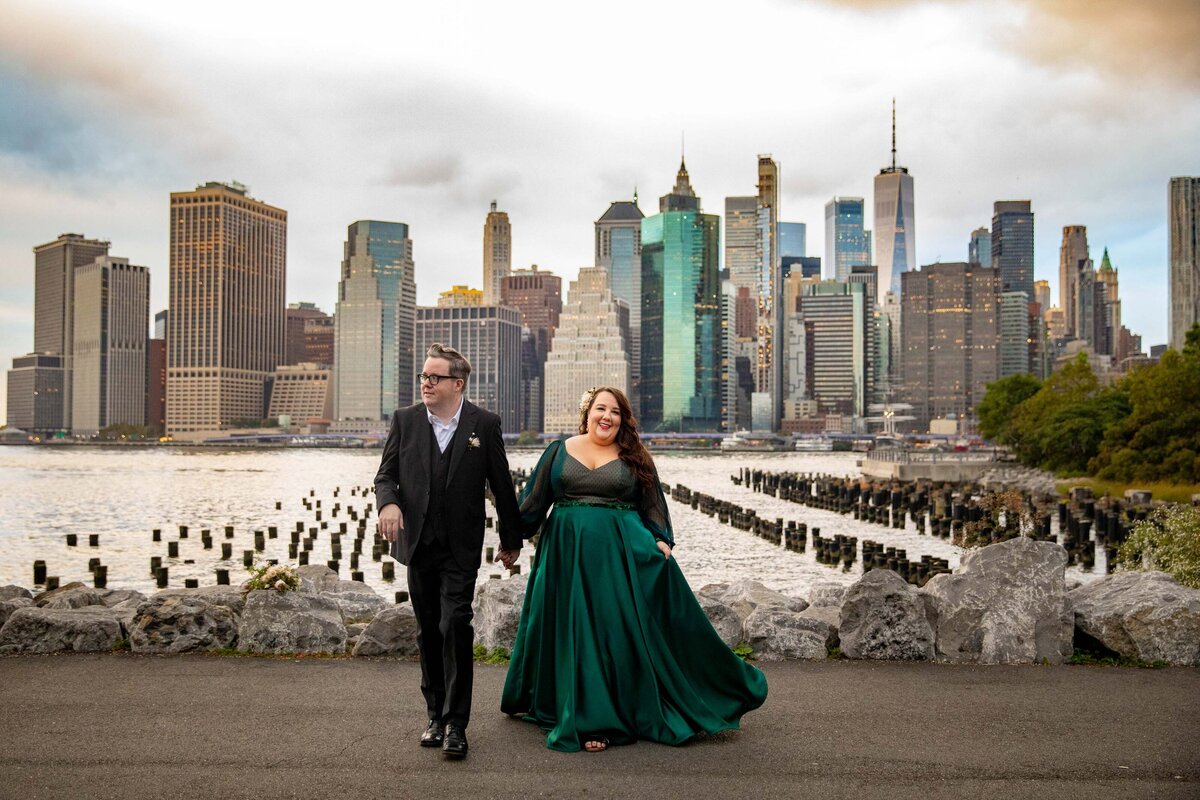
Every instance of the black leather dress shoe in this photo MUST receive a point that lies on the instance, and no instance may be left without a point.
(432, 737)
(455, 743)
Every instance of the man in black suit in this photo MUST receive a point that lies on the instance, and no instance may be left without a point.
(430, 493)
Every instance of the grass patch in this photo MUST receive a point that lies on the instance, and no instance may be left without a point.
(834, 654)
(497, 655)
(1159, 490)
(121, 646)
(1086, 658)
(744, 651)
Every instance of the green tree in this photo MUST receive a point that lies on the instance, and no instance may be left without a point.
(1060, 428)
(1000, 401)
(1160, 438)
(527, 438)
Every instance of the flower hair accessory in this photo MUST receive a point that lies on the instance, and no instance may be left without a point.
(586, 400)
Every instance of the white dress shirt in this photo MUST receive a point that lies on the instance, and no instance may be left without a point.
(444, 431)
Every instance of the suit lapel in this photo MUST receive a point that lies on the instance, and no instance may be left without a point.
(424, 433)
(462, 436)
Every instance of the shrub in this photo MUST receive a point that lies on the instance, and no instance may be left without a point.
(1167, 540)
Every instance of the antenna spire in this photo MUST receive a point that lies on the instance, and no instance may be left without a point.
(893, 134)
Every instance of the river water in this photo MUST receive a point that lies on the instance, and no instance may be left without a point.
(123, 493)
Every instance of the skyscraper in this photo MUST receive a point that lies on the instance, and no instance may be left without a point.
(537, 295)
(35, 390)
(767, 401)
(225, 330)
(1107, 277)
(793, 240)
(54, 298)
(1014, 334)
(374, 351)
(1071, 255)
(835, 327)
(846, 242)
(461, 296)
(1012, 245)
(741, 235)
(618, 245)
(895, 224)
(681, 315)
(309, 335)
(590, 348)
(979, 251)
(112, 316)
(950, 335)
(1184, 221)
(497, 253)
(490, 338)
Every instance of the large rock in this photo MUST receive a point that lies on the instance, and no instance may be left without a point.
(73, 595)
(1005, 604)
(498, 611)
(52, 630)
(725, 621)
(359, 602)
(831, 616)
(776, 633)
(7, 607)
(317, 578)
(291, 622)
(11, 592)
(228, 596)
(1143, 615)
(393, 632)
(115, 597)
(883, 617)
(826, 594)
(745, 596)
(179, 624)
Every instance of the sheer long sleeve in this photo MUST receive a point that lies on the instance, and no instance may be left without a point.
(538, 493)
(656, 516)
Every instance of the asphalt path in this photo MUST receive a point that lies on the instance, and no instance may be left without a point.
(126, 726)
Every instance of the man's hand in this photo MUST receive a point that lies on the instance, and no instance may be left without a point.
(508, 557)
(390, 522)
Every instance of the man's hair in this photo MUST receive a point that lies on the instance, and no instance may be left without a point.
(459, 366)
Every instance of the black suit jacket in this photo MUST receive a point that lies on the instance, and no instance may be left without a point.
(476, 455)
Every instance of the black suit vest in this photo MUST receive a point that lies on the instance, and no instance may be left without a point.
(434, 528)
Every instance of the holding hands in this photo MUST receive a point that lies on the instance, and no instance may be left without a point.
(508, 557)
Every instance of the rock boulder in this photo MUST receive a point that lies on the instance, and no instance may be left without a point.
(393, 632)
(11, 592)
(51, 630)
(498, 611)
(317, 578)
(777, 633)
(745, 596)
(73, 595)
(179, 624)
(1005, 604)
(291, 622)
(725, 621)
(883, 618)
(1143, 615)
(359, 602)
(229, 596)
(11, 605)
(831, 616)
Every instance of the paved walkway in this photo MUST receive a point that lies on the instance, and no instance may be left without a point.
(124, 726)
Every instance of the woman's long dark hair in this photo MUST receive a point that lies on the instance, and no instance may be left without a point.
(629, 443)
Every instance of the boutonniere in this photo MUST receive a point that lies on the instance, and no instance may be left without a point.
(472, 441)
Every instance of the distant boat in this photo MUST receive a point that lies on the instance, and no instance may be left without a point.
(753, 441)
(818, 444)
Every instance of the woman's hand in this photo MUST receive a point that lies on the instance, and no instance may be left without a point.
(666, 548)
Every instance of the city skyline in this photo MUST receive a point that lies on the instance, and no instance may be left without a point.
(94, 146)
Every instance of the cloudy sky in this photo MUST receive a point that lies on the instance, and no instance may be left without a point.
(424, 113)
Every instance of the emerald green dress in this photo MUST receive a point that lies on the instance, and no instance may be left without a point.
(612, 642)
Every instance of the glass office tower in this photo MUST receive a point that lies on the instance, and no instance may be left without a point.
(376, 311)
(681, 322)
(846, 242)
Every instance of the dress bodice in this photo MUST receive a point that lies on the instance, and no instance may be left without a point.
(611, 482)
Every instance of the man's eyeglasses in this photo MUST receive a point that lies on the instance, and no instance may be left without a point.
(432, 380)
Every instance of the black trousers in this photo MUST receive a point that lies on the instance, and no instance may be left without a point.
(441, 593)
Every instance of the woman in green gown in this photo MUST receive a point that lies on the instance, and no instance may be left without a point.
(612, 646)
